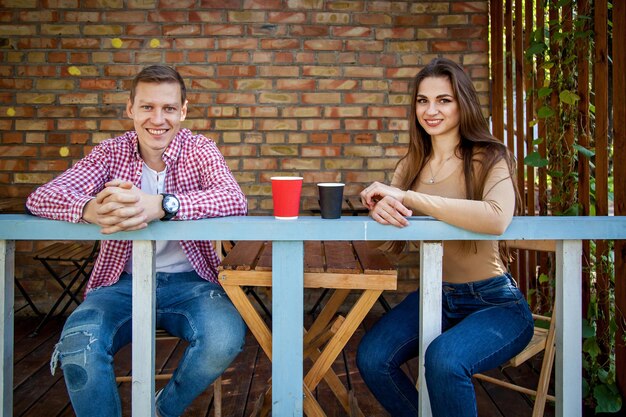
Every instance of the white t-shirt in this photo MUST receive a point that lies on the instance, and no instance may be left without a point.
(170, 256)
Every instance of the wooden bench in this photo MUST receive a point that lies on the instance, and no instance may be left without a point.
(340, 266)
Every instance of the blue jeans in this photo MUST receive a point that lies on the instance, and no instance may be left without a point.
(187, 307)
(484, 324)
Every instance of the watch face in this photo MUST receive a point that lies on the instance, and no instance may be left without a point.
(171, 204)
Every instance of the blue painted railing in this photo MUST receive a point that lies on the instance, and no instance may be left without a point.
(287, 278)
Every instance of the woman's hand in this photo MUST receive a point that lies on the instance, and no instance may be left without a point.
(377, 191)
(390, 211)
(385, 204)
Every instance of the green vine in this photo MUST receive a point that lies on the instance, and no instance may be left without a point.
(555, 48)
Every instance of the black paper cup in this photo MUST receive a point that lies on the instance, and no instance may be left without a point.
(331, 199)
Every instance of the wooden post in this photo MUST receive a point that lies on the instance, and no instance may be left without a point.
(568, 375)
(7, 275)
(287, 298)
(431, 261)
(619, 172)
(144, 324)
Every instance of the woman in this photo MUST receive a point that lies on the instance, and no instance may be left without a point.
(457, 172)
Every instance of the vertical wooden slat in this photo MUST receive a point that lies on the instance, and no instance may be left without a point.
(619, 172)
(542, 183)
(431, 261)
(568, 378)
(497, 58)
(582, 131)
(7, 276)
(143, 328)
(601, 102)
(529, 77)
(287, 296)
(520, 128)
(508, 74)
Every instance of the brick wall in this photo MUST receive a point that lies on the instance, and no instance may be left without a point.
(316, 88)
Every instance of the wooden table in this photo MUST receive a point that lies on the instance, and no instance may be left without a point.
(338, 265)
(12, 205)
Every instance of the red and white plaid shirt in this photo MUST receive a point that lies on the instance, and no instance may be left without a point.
(196, 173)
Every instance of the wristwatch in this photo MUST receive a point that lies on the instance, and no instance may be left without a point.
(170, 205)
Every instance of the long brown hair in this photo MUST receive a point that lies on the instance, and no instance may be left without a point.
(478, 148)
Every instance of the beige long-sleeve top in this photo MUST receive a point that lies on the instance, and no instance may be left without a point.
(445, 200)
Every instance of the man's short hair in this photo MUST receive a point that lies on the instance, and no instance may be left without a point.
(159, 74)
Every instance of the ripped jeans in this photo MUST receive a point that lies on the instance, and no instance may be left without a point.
(188, 307)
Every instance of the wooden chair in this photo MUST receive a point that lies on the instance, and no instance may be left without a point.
(71, 262)
(162, 335)
(543, 341)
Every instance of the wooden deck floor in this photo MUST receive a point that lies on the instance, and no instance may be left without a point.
(39, 394)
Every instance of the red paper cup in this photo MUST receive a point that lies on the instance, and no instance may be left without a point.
(286, 196)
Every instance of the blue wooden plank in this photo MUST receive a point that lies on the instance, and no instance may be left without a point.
(7, 274)
(24, 227)
(287, 325)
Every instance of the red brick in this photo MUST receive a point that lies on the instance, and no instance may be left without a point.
(181, 30)
(56, 111)
(177, 4)
(168, 17)
(79, 43)
(449, 46)
(415, 21)
(58, 165)
(359, 45)
(206, 16)
(324, 44)
(286, 17)
(236, 71)
(277, 124)
(291, 84)
(321, 124)
(356, 124)
(374, 19)
(17, 151)
(321, 151)
(225, 98)
(397, 112)
(262, 4)
(222, 30)
(280, 43)
(352, 31)
(12, 165)
(310, 31)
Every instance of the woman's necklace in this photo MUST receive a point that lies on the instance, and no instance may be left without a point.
(433, 175)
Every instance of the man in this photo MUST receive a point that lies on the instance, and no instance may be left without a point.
(156, 172)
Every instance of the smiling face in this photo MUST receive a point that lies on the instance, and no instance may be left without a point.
(437, 109)
(157, 113)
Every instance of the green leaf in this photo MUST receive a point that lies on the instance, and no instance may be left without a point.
(590, 346)
(536, 49)
(543, 278)
(545, 112)
(537, 141)
(586, 152)
(533, 159)
(544, 91)
(568, 97)
(574, 210)
(607, 398)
